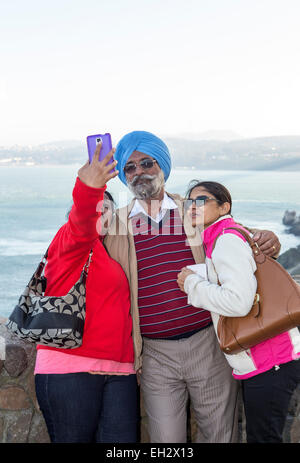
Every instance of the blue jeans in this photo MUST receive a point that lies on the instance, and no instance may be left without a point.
(82, 407)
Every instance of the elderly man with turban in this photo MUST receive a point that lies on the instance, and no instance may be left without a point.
(181, 356)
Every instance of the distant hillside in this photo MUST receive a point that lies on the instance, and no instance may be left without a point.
(255, 153)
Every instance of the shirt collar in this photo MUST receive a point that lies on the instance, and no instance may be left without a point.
(167, 204)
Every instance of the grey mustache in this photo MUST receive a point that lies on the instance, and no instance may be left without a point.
(136, 178)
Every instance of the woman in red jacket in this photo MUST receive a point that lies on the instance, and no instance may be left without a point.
(89, 394)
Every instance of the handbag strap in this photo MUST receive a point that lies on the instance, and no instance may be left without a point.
(87, 264)
(42, 264)
(46, 254)
(258, 255)
(242, 232)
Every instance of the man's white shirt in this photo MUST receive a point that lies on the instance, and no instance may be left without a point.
(166, 205)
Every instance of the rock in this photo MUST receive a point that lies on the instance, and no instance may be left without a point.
(38, 433)
(10, 338)
(1, 428)
(30, 388)
(291, 221)
(292, 429)
(295, 431)
(15, 360)
(290, 259)
(289, 217)
(13, 398)
(295, 228)
(17, 427)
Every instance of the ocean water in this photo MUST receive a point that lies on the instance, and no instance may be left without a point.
(34, 201)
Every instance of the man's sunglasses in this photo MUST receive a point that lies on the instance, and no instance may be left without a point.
(145, 164)
(199, 201)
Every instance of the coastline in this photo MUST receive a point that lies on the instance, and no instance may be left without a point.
(202, 167)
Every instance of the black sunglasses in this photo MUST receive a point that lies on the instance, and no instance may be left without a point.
(144, 164)
(199, 201)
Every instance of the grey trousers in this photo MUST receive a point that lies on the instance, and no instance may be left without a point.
(193, 367)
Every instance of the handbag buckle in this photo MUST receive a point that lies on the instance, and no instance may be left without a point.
(256, 299)
(87, 264)
(256, 306)
(257, 250)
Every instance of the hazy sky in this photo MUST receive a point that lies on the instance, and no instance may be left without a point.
(70, 68)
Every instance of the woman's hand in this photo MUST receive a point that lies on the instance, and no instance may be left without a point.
(97, 173)
(182, 276)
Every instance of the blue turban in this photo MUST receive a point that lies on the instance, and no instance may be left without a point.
(147, 143)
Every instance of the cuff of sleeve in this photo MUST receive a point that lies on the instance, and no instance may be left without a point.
(191, 281)
(88, 189)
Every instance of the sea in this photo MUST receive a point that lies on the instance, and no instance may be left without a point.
(34, 201)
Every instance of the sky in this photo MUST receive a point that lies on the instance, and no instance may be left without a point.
(72, 68)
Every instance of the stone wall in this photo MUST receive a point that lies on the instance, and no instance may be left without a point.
(22, 422)
(20, 418)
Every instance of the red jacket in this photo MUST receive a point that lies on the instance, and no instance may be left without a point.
(108, 324)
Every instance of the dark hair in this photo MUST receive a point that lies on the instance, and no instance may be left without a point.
(108, 194)
(219, 191)
(111, 199)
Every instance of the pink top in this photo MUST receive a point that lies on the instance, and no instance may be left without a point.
(52, 362)
(271, 353)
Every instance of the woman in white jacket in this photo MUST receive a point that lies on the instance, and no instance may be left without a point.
(268, 370)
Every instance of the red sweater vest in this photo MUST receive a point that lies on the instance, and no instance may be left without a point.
(162, 250)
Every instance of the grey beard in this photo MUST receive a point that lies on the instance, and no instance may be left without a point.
(149, 188)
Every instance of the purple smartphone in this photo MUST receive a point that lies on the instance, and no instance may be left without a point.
(92, 142)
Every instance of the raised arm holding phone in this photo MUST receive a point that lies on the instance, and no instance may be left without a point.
(89, 394)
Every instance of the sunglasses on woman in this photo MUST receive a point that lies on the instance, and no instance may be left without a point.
(199, 201)
(145, 164)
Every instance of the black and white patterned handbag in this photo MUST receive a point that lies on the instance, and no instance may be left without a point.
(50, 320)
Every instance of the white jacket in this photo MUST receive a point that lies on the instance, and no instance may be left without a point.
(232, 263)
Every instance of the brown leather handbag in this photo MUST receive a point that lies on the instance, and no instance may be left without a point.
(276, 306)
